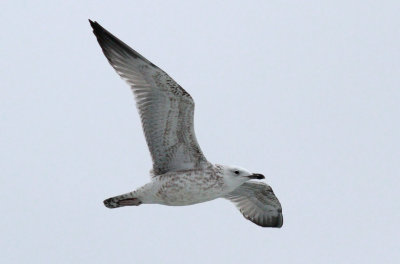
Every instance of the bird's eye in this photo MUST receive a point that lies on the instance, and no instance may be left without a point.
(236, 172)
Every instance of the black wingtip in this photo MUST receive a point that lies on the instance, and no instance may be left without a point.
(98, 29)
(94, 24)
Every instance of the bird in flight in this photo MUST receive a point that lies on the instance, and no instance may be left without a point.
(181, 174)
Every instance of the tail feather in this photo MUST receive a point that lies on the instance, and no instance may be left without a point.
(122, 200)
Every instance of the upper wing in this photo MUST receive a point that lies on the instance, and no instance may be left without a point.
(258, 203)
(165, 108)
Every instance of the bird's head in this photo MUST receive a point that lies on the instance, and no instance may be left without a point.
(236, 176)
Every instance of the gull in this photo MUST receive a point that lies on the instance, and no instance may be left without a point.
(181, 174)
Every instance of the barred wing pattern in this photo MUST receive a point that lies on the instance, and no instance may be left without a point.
(166, 109)
(258, 203)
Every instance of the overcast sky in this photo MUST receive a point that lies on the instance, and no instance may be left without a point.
(305, 92)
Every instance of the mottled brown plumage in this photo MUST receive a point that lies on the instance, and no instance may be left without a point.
(181, 174)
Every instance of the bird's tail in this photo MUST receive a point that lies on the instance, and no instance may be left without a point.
(122, 200)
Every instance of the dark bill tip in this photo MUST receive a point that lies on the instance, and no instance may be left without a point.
(257, 176)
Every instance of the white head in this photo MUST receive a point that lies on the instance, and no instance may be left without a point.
(235, 176)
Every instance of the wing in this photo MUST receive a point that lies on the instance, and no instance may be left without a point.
(166, 109)
(258, 203)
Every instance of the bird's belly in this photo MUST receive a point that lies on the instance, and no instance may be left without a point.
(187, 198)
(189, 191)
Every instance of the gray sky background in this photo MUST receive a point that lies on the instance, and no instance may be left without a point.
(305, 92)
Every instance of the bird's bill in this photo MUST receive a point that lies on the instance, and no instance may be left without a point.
(257, 176)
